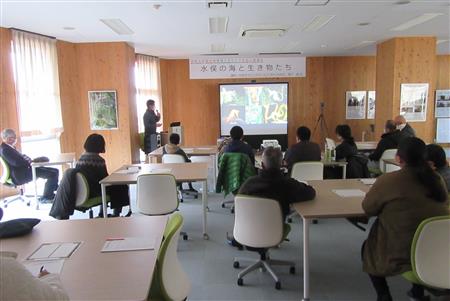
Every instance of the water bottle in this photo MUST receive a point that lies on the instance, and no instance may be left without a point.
(333, 154)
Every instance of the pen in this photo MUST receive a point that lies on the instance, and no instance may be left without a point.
(42, 268)
(115, 238)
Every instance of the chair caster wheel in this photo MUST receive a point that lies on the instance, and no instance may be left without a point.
(185, 237)
(289, 220)
(240, 282)
(181, 201)
(28, 204)
(292, 270)
(278, 285)
(315, 221)
(223, 205)
(236, 265)
(232, 210)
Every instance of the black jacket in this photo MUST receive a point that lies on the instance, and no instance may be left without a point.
(274, 185)
(19, 164)
(302, 151)
(407, 131)
(388, 141)
(346, 149)
(356, 164)
(150, 120)
(64, 203)
(238, 146)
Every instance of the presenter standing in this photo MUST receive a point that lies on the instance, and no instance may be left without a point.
(151, 119)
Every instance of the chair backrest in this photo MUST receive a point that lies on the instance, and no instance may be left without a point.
(330, 144)
(156, 194)
(172, 158)
(430, 252)
(200, 159)
(82, 189)
(387, 154)
(307, 171)
(175, 284)
(258, 222)
(6, 173)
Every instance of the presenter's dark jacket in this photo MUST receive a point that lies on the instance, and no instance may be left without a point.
(274, 185)
(400, 203)
(239, 146)
(150, 120)
(19, 164)
(302, 151)
(388, 141)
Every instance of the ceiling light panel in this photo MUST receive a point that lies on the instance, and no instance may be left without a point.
(218, 4)
(218, 24)
(318, 22)
(416, 21)
(311, 2)
(117, 26)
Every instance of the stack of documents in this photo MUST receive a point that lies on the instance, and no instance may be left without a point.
(349, 193)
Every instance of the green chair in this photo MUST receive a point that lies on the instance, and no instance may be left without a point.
(170, 282)
(82, 201)
(6, 180)
(430, 256)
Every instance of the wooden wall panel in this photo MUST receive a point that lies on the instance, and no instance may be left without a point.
(196, 102)
(100, 66)
(344, 74)
(443, 72)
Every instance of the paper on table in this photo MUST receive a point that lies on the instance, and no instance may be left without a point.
(129, 244)
(160, 170)
(129, 170)
(52, 266)
(54, 250)
(368, 181)
(348, 193)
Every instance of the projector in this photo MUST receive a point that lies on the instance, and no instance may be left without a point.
(267, 143)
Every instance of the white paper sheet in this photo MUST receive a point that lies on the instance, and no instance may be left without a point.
(129, 170)
(349, 193)
(129, 244)
(368, 181)
(52, 266)
(54, 250)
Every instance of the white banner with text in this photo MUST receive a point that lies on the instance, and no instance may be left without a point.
(210, 67)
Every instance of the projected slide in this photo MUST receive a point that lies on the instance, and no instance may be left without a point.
(260, 109)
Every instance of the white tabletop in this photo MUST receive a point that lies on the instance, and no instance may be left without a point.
(89, 274)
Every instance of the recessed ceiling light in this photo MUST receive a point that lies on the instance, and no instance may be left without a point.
(68, 28)
(156, 6)
(416, 21)
(218, 24)
(318, 22)
(117, 26)
(402, 2)
(363, 23)
(323, 46)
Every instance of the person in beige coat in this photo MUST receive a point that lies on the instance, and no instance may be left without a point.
(400, 200)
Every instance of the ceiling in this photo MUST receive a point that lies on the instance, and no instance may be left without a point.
(179, 29)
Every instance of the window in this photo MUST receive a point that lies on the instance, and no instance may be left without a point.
(147, 85)
(35, 64)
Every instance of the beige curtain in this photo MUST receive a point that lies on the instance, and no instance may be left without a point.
(147, 85)
(37, 84)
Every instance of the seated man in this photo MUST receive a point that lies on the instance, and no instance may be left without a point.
(438, 162)
(20, 166)
(239, 146)
(173, 149)
(272, 184)
(304, 150)
(389, 140)
(405, 129)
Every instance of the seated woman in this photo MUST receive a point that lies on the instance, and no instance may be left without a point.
(93, 167)
(438, 162)
(173, 149)
(400, 200)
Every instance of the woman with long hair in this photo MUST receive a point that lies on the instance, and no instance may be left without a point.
(400, 200)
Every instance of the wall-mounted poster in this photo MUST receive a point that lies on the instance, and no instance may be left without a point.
(355, 103)
(442, 103)
(370, 104)
(413, 101)
(103, 110)
(443, 130)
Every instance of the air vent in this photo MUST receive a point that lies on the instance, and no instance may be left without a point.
(218, 4)
(263, 31)
(118, 26)
(218, 24)
(311, 2)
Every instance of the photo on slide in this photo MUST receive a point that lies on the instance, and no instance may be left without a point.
(258, 108)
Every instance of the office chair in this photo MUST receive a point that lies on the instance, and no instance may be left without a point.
(82, 200)
(430, 256)
(388, 154)
(6, 180)
(175, 158)
(157, 194)
(306, 171)
(259, 226)
(170, 282)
